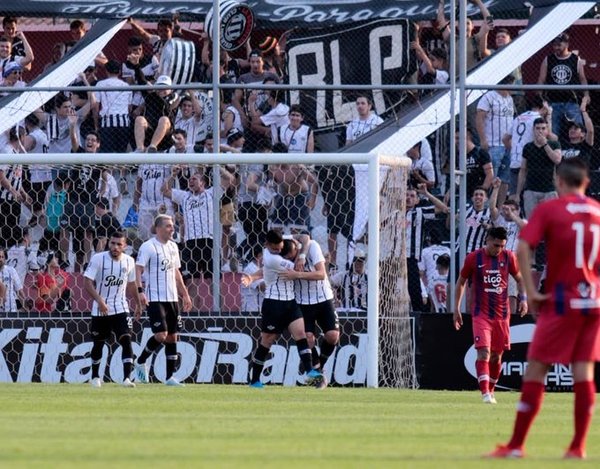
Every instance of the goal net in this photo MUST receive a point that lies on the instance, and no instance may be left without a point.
(60, 214)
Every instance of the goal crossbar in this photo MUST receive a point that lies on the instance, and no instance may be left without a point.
(373, 161)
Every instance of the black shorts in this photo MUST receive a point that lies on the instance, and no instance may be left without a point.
(197, 257)
(102, 326)
(341, 220)
(277, 315)
(322, 314)
(164, 316)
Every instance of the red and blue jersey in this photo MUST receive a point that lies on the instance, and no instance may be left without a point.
(570, 227)
(488, 277)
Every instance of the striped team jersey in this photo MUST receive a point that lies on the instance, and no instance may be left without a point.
(111, 277)
(476, 222)
(153, 177)
(276, 288)
(160, 262)
(14, 175)
(197, 210)
(188, 124)
(352, 289)
(312, 292)
(252, 295)
(498, 121)
(13, 284)
(114, 105)
(414, 224)
(488, 277)
(570, 226)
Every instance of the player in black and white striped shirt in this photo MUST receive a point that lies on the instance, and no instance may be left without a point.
(196, 205)
(315, 297)
(415, 222)
(109, 277)
(279, 310)
(159, 259)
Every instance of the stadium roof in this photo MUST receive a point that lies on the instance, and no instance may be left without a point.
(269, 13)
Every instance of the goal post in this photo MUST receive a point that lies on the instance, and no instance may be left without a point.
(380, 187)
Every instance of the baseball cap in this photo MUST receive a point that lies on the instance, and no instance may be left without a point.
(233, 135)
(256, 53)
(360, 255)
(563, 37)
(11, 67)
(576, 124)
(113, 66)
(164, 80)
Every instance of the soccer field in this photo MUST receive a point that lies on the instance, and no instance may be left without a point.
(234, 426)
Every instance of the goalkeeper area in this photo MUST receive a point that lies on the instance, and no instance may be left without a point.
(233, 426)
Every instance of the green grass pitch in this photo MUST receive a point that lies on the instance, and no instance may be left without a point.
(234, 426)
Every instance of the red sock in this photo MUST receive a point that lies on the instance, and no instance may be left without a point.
(483, 375)
(585, 397)
(495, 371)
(532, 394)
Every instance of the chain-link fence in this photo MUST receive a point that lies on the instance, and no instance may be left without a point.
(312, 83)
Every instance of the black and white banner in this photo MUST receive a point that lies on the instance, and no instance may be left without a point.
(371, 53)
(269, 13)
(15, 107)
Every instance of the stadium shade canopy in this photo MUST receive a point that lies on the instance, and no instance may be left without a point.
(269, 13)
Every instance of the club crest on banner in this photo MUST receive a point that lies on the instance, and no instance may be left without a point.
(237, 22)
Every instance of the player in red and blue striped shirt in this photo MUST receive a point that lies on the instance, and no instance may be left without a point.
(487, 270)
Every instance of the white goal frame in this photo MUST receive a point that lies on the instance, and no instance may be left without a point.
(373, 162)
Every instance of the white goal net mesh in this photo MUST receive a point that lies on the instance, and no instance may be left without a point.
(396, 341)
(59, 215)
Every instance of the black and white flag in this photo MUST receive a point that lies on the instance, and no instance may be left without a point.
(377, 52)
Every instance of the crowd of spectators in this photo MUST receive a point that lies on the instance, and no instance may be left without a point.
(513, 144)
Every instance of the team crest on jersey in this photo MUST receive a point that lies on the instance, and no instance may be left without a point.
(562, 74)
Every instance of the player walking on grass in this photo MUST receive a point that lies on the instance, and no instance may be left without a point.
(314, 295)
(568, 324)
(159, 259)
(109, 277)
(487, 270)
(279, 309)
